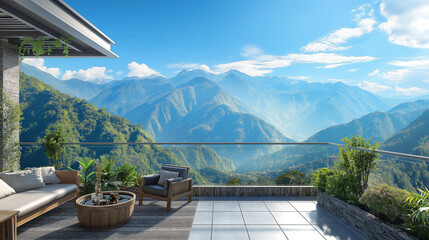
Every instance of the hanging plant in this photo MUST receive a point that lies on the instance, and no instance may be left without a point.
(54, 145)
(38, 46)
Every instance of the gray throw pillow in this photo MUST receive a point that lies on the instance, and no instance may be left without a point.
(5, 190)
(164, 175)
(48, 175)
(25, 180)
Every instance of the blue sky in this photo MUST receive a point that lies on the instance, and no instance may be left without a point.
(380, 46)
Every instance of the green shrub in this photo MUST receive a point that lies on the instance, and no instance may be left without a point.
(349, 178)
(342, 185)
(320, 178)
(126, 173)
(418, 220)
(385, 199)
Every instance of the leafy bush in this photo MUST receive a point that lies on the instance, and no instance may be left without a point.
(126, 173)
(349, 179)
(418, 220)
(109, 175)
(342, 185)
(86, 176)
(385, 199)
(320, 178)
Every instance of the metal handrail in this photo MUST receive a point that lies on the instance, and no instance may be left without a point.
(394, 154)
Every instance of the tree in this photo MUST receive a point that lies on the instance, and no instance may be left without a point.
(358, 163)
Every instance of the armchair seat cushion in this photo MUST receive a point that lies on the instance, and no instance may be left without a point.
(155, 190)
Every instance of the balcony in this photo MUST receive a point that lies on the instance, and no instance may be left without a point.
(258, 205)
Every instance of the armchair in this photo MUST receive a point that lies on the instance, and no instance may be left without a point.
(172, 189)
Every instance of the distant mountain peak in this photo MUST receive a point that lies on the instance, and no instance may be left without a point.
(151, 77)
(237, 73)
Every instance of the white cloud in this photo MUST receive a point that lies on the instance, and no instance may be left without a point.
(373, 87)
(90, 74)
(353, 70)
(39, 63)
(411, 91)
(140, 70)
(298, 77)
(331, 60)
(119, 72)
(265, 64)
(192, 66)
(253, 67)
(363, 10)
(396, 75)
(407, 22)
(333, 41)
(416, 64)
(376, 71)
(250, 50)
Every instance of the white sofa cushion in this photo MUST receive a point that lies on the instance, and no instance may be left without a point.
(23, 180)
(164, 175)
(48, 175)
(5, 190)
(31, 200)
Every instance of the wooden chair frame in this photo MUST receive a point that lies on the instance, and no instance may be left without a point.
(175, 191)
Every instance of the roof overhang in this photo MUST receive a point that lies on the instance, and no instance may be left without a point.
(52, 19)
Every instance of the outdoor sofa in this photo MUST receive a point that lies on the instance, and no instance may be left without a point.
(32, 196)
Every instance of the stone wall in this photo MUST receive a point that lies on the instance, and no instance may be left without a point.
(9, 86)
(367, 223)
(254, 191)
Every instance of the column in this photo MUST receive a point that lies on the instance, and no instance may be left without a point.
(9, 97)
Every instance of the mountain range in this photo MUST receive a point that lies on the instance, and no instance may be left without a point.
(268, 109)
(379, 126)
(45, 108)
(414, 139)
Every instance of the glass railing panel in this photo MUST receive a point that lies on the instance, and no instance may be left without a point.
(237, 164)
(401, 172)
(211, 164)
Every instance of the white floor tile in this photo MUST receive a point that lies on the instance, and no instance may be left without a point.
(280, 207)
(226, 206)
(227, 218)
(299, 232)
(229, 232)
(289, 218)
(199, 232)
(258, 218)
(265, 232)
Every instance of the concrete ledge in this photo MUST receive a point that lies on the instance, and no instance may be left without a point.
(367, 223)
(254, 191)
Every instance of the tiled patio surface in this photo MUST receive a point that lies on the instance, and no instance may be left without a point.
(267, 219)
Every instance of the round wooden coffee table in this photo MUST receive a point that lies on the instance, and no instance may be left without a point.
(105, 216)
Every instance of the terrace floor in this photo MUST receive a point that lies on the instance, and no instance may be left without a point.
(267, 218)
(203, 219)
